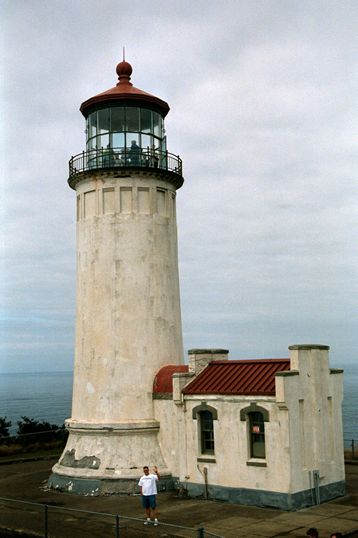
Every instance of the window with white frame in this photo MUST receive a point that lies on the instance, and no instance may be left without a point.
(255, 417)
(205, 415)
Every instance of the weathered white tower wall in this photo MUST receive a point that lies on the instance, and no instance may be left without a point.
(128, 317)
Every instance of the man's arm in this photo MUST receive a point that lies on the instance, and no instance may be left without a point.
(156, 472)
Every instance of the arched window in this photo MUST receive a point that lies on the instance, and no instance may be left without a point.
(255, 417)
(257, 435)
(206, 432)
(205, 415)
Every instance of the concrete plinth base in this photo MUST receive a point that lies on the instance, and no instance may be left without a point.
(95, 487)
(272, 499)
(101, 459)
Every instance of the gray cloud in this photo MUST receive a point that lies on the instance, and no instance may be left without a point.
(264, 114)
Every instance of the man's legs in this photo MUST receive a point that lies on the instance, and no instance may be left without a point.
(150, 505)
(146, 506)
(154, 509)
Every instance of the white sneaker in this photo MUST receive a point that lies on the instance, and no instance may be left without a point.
(156, 523)
(146, 522)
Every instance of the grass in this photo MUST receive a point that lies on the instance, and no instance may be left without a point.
(38, 449)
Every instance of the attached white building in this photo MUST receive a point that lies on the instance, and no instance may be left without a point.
(265, 432)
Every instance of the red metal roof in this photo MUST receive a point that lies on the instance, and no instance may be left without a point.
(247, 377)
(125, 91)
(163, 380)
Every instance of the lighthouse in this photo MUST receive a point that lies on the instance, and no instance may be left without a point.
(128, 320)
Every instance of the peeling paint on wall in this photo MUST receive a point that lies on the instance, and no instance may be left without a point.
(87, 462)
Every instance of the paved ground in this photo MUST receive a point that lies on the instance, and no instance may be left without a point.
(26, 481)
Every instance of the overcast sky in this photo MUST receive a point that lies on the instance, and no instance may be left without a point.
(263, 98)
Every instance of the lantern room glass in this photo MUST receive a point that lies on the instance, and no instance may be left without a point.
(117, 127)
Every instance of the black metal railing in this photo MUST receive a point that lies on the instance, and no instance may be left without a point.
(113, 524)
(124, 158)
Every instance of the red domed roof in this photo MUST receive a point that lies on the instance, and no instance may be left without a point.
(126, 93)
(163, 381)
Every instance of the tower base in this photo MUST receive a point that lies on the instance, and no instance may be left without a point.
(101, 459)
(95, 487)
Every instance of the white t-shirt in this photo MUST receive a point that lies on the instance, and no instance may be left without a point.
(149, 484)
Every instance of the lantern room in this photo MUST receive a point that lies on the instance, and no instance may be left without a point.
(125, 129)
(123, 126)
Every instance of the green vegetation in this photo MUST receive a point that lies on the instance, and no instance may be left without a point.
(4, 426)
(32, 436)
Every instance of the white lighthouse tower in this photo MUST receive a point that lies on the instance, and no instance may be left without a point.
(128, 322)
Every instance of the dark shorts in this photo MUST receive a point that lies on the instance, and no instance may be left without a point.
(149, 501)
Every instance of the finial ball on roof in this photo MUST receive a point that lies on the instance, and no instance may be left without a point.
(124, 69)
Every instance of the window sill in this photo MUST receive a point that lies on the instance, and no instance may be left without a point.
(256, 462)
(206, 459)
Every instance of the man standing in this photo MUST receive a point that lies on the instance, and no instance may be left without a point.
(148, 491)
(134, 153)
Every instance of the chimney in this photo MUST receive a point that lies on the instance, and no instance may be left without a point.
(200, 358)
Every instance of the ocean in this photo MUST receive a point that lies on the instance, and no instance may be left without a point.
(41, 396)
(47, 396)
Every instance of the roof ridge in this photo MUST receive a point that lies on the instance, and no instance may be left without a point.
(245, 361)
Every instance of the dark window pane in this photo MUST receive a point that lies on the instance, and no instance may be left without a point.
(103, 141)
(157, 122)
(132, 117)
(103, 121)
(91, 143)
(258, 447)
(207, 432)
(118, 140)
(146, 141)
(130, 138)
(145, 120)
(257, 435)
(92, 125)
(117, 119)
(133, 150)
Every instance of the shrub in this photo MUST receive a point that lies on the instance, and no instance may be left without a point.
(32, 435)
(41, 431)
(30, 425)
(4, 427)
